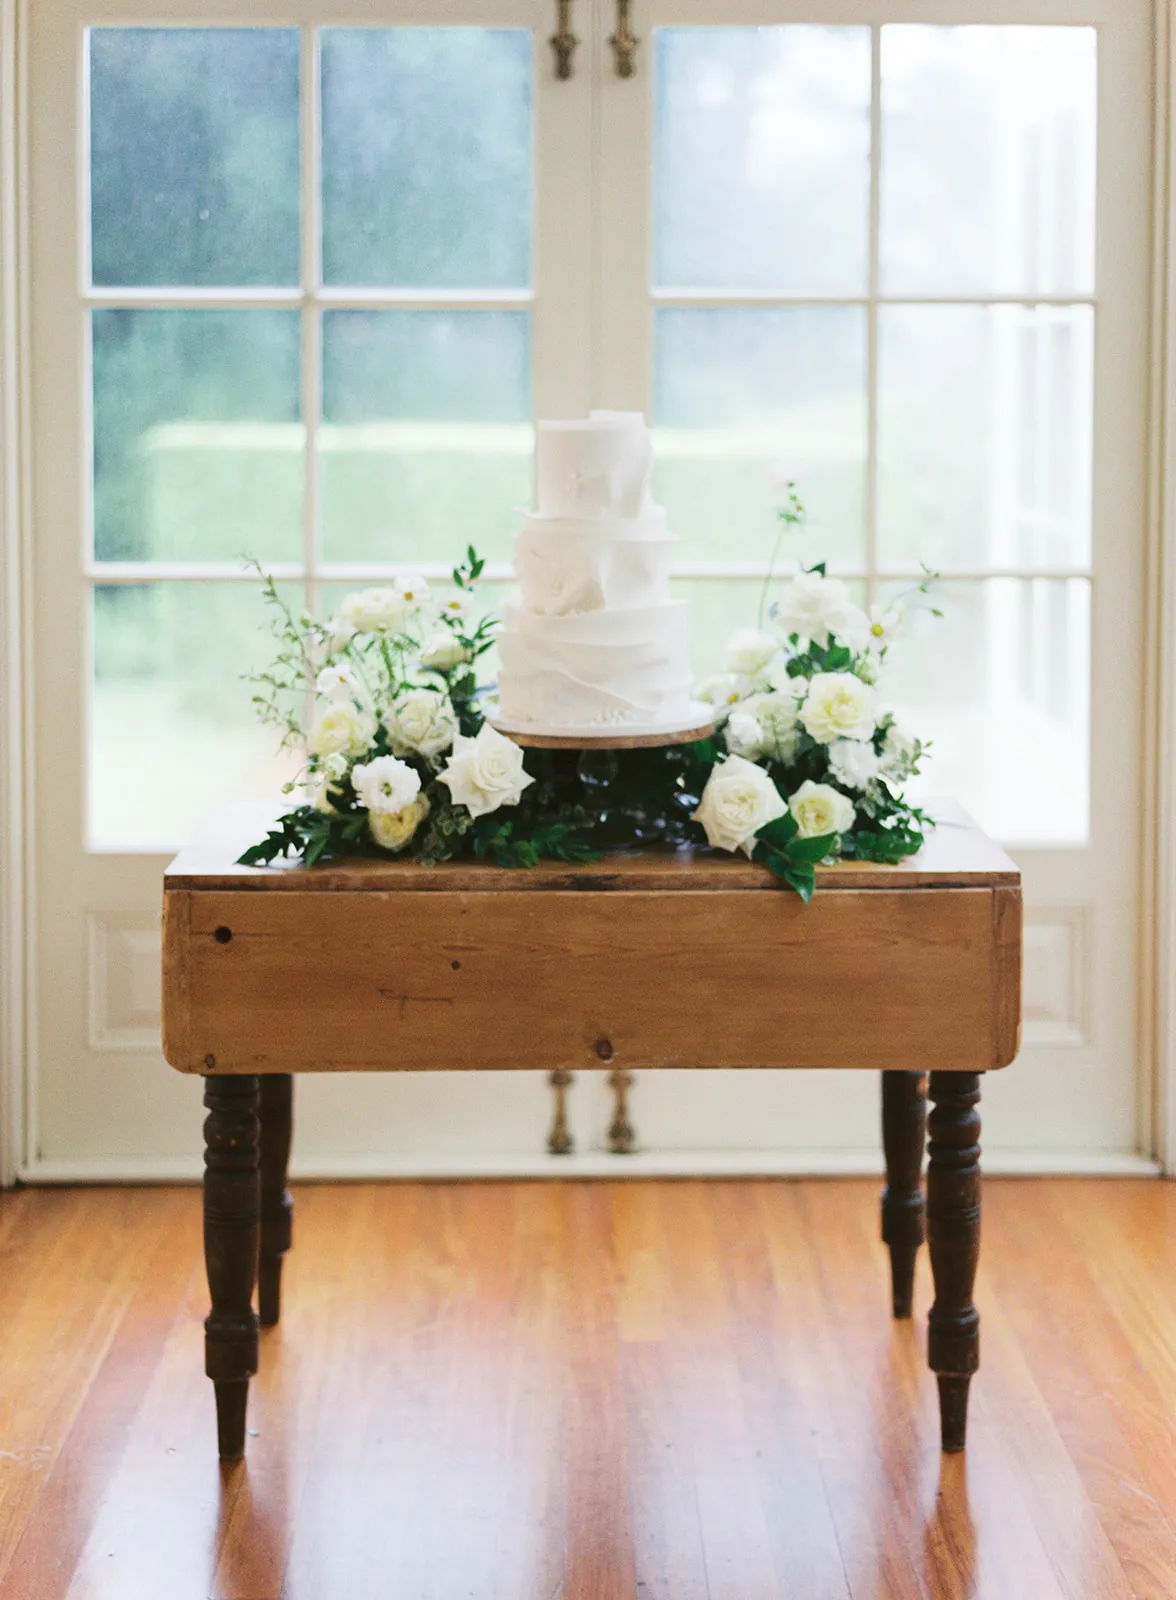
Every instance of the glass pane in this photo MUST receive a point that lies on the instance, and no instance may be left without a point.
(988, 160)
(172, 733)
(427, 157)
(194, 155)
(985, 436)
(427, 439)
(1001, 686)
(197, 439)
(743, 396)
(762, 158)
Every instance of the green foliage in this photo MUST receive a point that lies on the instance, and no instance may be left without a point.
(791, 858)
(514, 844)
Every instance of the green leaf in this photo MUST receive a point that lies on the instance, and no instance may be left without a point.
(780, 831)
(808, 852)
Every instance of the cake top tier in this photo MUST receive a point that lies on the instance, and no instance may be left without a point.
(598, 468)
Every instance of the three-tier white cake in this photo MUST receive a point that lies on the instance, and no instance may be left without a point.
(593, 644)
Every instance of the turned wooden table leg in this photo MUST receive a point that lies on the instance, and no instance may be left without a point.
(904, 1121)
(277, 1207)
(231, 1230)
(953, 1232)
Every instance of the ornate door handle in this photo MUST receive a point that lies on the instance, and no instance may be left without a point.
(624, 42)
(563, 40)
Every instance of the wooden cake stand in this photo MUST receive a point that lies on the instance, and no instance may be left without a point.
(608, 741)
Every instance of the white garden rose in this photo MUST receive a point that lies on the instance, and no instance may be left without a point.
(380, 611)
(739, 799)
(386, 784)
(394, 829)
(749, 651)
(420, 722)
(485, 772)
(340, 728)
(338, 682)
(838, 706)
(820, 809)
(854, 762)
(764, 725)
(813, 608)
(442, 651)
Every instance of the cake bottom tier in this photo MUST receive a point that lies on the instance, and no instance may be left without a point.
(596, 669)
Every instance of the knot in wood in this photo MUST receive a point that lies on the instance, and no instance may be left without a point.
(604, 1049)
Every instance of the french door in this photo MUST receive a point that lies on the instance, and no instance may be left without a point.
(299, 285)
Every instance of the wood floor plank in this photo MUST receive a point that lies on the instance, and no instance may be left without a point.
(653, 1391)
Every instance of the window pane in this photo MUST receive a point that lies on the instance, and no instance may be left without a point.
(1001, 686)
(197, 439)
(742, 395)
(988, 160)
(172, 733)
(761, 158)
(194, 155)
(985, 436)
(427, 157)
(427, 438)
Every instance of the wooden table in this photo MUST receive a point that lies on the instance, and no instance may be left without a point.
(641, 960)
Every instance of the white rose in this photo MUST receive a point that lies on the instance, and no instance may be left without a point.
(739, 799)
(443, 651)
(854, 762)
(338, 682)
(838, 706)
(749, 651)
(386, 784)
(813, 607)
(764, 725)
(724, 689)
(420, 722)
(394, 829)
(412, 589)
(485, 772)
(374, 611)
(334, 767)
(820, 809)
(340, 728)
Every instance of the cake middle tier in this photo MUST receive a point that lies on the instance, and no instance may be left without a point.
(594, 669)
(565, 566)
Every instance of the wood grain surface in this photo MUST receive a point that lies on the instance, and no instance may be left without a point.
(639, 1391)
(401, 980)
(956, 852)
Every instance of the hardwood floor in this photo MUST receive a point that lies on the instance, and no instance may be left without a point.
(643, 1391)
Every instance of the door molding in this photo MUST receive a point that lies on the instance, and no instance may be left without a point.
(16, 920)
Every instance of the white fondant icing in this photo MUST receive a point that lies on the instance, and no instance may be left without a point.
(599, 468)
(566, 567)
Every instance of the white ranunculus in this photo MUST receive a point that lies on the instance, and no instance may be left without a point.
(412, 589)
(739, 799)
(749, 651)
(386, 784)
(442, 651)
(420, 722)
(838, 706)
(381, 611)
(394, 829)
(820, 809)
(338, 682)
(813, 608)
(339, 728)
(854, 762)
(724, 689)
(485, 772)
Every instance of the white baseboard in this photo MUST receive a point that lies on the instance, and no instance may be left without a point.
(597, 1164)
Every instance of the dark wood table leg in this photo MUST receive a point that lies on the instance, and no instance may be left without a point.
(953, 1231)
(232, 1224)
(277, 1207)
(904, 1123)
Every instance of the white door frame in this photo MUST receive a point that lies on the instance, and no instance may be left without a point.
(1157, 932)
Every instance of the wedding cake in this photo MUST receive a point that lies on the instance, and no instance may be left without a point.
(593, 643)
